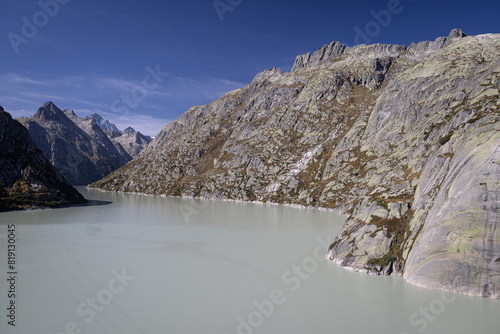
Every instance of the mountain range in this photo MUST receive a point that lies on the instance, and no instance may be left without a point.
(83, 149)
(132, 141)
(404, 140)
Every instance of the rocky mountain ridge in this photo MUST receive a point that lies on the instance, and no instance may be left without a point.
(78, 148)
(129, 141)
(27, 179)
(404, 140)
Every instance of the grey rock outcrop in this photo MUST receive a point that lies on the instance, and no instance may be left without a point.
(404, 140)
(27, 179)
(320, 57)
(426, 47)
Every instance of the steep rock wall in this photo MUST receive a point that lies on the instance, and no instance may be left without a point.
(371, 131)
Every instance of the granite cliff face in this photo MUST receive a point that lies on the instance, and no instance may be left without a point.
(79, 149)
(404, 140)
(27, 179)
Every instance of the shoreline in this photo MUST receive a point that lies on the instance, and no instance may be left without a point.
(298, 206)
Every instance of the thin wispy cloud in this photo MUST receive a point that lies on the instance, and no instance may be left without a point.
(115, 83)
(40, 96)
(20, 79)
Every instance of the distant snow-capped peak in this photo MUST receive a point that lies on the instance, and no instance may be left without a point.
(104, 123)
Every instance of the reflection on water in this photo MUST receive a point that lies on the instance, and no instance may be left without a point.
(141, 264)
(94, 202)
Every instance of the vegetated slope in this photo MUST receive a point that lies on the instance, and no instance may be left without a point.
(27, 178)
(403, 139)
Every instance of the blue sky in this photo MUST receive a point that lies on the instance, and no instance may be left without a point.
(143, 63)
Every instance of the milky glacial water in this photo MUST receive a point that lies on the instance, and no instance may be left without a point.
(131, 264)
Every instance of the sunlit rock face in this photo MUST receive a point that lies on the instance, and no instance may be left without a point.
(404, 140)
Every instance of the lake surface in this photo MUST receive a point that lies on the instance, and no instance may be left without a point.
(167, 265)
